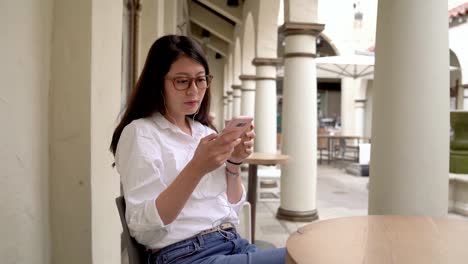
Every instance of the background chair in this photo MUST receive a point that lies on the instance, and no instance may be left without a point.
(244, 228)
(322, 144)
(137, 253)
(268, 184)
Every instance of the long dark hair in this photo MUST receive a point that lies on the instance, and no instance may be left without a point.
(147, 96)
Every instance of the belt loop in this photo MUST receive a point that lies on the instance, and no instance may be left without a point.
(201, 242)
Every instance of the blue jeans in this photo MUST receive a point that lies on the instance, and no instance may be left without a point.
(221, 247)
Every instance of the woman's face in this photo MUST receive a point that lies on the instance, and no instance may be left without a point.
(184, 87)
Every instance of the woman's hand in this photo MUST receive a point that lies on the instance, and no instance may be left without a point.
(213, 150)
(245, 148)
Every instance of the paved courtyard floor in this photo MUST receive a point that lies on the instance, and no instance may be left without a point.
(338, 195)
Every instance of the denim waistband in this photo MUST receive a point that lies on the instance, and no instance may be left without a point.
(201, 239)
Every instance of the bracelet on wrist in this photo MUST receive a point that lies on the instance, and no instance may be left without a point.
(234, 163)
(231, 173)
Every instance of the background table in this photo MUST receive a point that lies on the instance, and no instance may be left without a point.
(380, 240)
(254, 160)
(339, 140)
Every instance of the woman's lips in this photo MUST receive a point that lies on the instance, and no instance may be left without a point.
(191, 103)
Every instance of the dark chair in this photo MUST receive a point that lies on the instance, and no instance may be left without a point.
(137, 253)
(322, 144)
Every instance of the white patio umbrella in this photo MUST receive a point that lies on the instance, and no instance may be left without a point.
(351, 65)
(359, 65)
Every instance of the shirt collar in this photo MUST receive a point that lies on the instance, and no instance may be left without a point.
(161, 121)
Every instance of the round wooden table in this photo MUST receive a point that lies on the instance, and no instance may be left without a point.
(254, 160)
(380, 240)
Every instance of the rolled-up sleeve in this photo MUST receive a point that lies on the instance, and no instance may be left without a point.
(237, 206)
(139, 163)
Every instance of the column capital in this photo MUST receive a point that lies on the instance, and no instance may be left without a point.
(133, 5)
(299, 54)
(263, 78)
(246, 77)
(360, 103)
(267, 61)
(295, 28)
(235, 86)
(247, 90)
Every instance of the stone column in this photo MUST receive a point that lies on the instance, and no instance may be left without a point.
(236, 100)
(410, 130)
(359, 116)
(360, 107)
(299, 176)
(465, 96)
(248, 95)
(265, 105)
(348, 90)
(229, 105)
(226, 108)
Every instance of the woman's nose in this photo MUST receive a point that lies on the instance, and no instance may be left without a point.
(192, 87)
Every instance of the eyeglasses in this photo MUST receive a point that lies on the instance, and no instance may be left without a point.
(183, 83)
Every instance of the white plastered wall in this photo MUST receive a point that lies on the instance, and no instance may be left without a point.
(300, 10)
(152, 26)
(170, 16)
(84, 103)
(341, 31)
(458, 43)
(24, 161)
(266, 42)
(456, 79)
(216, 88)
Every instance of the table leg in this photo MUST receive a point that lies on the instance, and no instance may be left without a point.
(252, 196)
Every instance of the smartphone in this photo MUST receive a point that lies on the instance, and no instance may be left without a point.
(239, 124)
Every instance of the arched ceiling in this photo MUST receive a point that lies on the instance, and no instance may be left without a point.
(212, 22)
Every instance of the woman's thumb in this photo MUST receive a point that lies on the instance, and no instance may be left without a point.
(209, 137)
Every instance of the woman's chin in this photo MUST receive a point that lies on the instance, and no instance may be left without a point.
(192, 111)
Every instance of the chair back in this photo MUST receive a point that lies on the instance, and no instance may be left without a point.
(322, 143)
(137, 253)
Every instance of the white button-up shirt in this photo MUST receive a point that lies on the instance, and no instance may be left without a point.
(150, 154)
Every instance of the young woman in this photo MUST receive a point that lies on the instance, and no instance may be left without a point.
(180, 178)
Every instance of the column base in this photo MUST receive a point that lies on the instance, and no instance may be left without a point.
(357, 169)
(297, 216)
